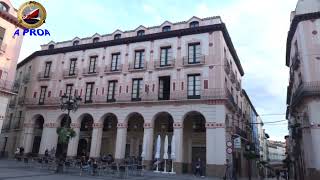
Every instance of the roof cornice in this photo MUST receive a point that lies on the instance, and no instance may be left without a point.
(293, 27)
(148, 37)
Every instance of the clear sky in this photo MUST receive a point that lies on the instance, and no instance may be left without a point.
(258, 30)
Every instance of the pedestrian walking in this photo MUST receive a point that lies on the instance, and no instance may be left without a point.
(198, 170)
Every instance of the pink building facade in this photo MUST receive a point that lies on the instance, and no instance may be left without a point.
(181, 79)
(9, 54)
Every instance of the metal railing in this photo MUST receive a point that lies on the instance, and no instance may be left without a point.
(26, 78)
(190, 61)
(207, 94)
(68, 74)
(169, 64)
(86, 71)
(296, 61)
(143, 67)
(47, 101)
(306, 89)
(6, 85)
(109, 69)
(227, 66)
(43, 76)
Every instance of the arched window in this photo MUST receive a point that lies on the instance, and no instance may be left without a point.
(4, 7)
(51, 46)
(117, 36)
(140, 33)
(95, 40)
(194, 24)
(75, 43)
(166, 28)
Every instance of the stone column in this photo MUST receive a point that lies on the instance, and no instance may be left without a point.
(178, 134)
(121, 141)
(28, 137)
(216, 149)
(49, 138)
(73, 142)
(96, 140)
(148, 144)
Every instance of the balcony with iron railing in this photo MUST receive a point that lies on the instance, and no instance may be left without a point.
(232, 77)
(296, 61)
(26, 78)
(207, 94)
(142, 67)
(158, 64)
(227, 68)
(44, 76)
(6, 86)
(67, 73)
(113, 69)
(21, 100)
(90, 72)
(193, 61)
(47, 101)
(305, 89)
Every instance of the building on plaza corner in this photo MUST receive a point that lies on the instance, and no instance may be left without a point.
(303, 93)
(9, 54)
(176, 78)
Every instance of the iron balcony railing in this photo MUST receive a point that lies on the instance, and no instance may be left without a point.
(296, 61)
(142, 67)
(44, 76)
(207, 94)
(191, 60)
(305, 89)
(115, 69)
(227, 66)
(92, 72)
(26, 78)
(163, 65)
(70, 74)
(6, 85)
(47, 101)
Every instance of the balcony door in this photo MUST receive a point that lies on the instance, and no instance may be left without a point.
(164, 88)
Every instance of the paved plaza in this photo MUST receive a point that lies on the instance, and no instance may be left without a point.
(10, 169)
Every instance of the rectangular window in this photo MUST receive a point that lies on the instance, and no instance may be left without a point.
(69, 88)
(166, 56)
(115, 62)
(92, 64)
(88, 95)
(139, 59)
(2, 32)
(72, 68)
(194, 53)
(47, 69)
(164, 88)
(42, 94)
(112, 91)
(136, 89)
(194, 86)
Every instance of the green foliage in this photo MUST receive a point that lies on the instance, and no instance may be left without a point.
(65, 134)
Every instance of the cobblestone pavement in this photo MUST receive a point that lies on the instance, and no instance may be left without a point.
(10, 169)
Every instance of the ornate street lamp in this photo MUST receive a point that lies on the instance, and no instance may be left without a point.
(67, 103)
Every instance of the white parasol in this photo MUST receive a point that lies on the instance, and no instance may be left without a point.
(165, 154)
(173, 152)
(157, 155)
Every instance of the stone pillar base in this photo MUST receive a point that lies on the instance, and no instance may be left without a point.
(215, 170)
(178, 167)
